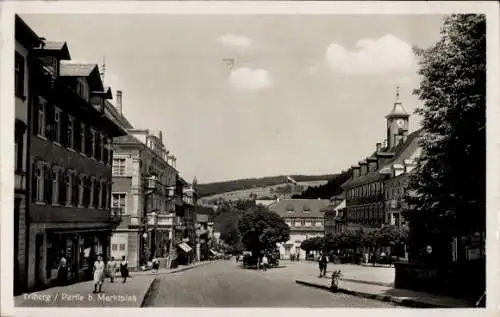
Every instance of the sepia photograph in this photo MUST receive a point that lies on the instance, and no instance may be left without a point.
(265, 160)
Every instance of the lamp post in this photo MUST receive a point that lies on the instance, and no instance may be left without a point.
(150, 187)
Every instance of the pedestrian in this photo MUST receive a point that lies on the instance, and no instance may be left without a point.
(98, 272)
(265, 262)
(323, 261)
(124, 269)
(62, 270)
(111, 269)
(155, 265)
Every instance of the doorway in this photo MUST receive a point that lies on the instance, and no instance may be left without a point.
(38, 260)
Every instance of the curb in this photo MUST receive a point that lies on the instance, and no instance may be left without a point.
(383, 298)
(148, 292)
(182, 269)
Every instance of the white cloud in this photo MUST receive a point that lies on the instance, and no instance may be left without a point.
(250, 79)
(234, 40)
(387, 54)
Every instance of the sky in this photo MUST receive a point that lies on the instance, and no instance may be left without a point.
(254, 95)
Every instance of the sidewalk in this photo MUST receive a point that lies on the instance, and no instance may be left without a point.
(369, 289)
(117, 294)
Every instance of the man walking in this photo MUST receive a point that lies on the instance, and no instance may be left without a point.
(323, 261)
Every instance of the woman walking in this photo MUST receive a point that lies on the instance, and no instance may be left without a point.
(99, 269)
(124, 269)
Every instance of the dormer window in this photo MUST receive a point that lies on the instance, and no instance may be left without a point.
(306, 209)
(82, 89)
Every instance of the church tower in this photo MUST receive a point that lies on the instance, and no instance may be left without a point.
(397, 123)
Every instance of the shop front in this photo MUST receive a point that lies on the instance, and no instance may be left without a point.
(79, 248)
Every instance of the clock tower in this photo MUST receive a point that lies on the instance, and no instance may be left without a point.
(397, 123)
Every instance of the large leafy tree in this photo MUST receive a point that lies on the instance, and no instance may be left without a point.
(450, 181)
(261, 229)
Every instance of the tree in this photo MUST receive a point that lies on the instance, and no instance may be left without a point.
(313, 244)
(226, 222)
(450, 179)
(261, 229)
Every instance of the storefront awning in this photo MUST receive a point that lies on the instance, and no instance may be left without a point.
(185, 247)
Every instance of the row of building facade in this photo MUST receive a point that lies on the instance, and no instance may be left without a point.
(373, 197)
(86, 181)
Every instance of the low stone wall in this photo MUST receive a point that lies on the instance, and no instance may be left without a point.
(467, 280)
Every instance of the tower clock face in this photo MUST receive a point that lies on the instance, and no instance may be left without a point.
(400, 122)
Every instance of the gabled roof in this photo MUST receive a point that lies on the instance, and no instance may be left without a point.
(81, 69)
(57, 48)
(295, 208)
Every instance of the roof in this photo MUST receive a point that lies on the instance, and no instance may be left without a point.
(25, 35)
(398, 151)
(59, 47)
(127, 139)
(303, 208)
(398, 111)
(333, 205)
(117, 115)
(70, 68)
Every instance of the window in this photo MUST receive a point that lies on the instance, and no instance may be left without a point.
(102, 187)
(92, 152)
(19, 75)
(97, 188)
(55, 186)
(91, 192)
(75, 185)
(86, 192)
(308, 223)
(82, 137)
(81, 190)
(318, 223)
(298, 223)
(118, 167)
(62, 188)
(69, 187)
(57, 125)
(119, 201)
(82, 90)
(71, 132)
(88, 141)
(100, 147)
(122, 246)
(40, 120)
(38, 182)
(110, 151)
(114, 247)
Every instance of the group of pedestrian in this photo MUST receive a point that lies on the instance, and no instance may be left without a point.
(101, 270)
(294, 257)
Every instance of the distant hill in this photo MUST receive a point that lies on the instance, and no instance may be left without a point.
(256, 184)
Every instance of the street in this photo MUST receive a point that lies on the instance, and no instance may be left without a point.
(227, 284)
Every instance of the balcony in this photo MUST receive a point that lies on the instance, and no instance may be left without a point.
(19, 181)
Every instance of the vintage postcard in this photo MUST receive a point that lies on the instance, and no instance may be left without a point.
(208, 155)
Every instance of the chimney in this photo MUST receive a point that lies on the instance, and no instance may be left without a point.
(379, 147)
(119, 101)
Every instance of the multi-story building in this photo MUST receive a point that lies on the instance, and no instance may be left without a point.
(365, 191)
(69, 157)
(333, 216)
(26, 40)
(147, 212)
(305, 219)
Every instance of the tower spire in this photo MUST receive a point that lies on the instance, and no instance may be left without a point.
(103, 68)
(397, 95)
